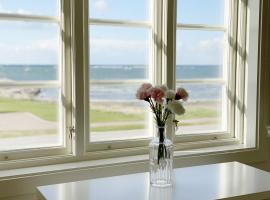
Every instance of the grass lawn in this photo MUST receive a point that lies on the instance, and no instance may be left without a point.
(42, 109)
(48, 111)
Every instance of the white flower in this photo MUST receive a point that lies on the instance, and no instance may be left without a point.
(163, 87)
(176, 107)
(170, 94)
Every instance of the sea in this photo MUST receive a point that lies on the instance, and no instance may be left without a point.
(117, 92)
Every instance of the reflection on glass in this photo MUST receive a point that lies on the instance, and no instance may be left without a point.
(138, 10)
(30, 7)
(118, 59)
(30, 44)
(29, 118)
(209, 12)
(204, 109)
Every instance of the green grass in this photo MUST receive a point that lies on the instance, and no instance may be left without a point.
(48, 111)
(107, 116)
(193, 112)
(44, 110)
(117, 128)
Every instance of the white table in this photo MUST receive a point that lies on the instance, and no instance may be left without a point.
(231, 180)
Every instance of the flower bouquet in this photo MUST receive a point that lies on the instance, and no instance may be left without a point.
(163, 103)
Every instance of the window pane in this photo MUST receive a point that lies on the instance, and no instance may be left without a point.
(29, 51)
(205, 111)
(30, 7)
(209, 12)
(29, 118)
(199, 54)
(120, 9)
(118, 57)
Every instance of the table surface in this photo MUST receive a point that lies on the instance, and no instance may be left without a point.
(232, 180)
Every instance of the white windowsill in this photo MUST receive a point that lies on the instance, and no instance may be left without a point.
(81, 165)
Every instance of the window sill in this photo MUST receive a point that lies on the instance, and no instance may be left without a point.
(182, 158)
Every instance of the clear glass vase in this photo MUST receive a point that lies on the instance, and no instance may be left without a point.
(161, 159)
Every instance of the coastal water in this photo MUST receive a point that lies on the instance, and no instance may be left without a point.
(116, 92)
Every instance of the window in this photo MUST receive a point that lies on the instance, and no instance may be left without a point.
(32, 79)
(120, 54)
(201, 65)
(70, 69)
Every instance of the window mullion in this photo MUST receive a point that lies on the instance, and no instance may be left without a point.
(80, 42)
(169, 52)
(200, 27)
(240, 70)
(122, 23)
(66, 71)
(24, 17)
(158, 43)
(231, 41)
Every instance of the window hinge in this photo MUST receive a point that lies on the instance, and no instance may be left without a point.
(71, 134)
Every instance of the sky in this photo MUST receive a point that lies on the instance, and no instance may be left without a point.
(38, 43)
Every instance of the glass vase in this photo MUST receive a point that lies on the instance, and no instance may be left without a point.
(161, 159)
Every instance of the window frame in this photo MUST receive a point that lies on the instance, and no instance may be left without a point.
(129, 144)
(164, 62)
(64, 84)
(75, 55)
(228, 29)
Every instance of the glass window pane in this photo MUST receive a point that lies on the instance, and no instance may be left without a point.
(199, 54)
(29, 51)
(29, 118)
(119, 57)
(30, 7)
(209, 12)
(205, 110)
(138, 10)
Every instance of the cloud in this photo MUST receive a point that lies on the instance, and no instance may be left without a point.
(17, 11)
(120, 45)
(114, 51)
(22, 11)
(38, 52)
(207, 51)
(100, 5)
(215, 43)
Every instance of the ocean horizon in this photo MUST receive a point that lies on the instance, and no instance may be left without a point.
(117, 92)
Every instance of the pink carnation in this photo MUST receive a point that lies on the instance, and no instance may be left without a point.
(146, 86)
(157, 94)
(144, 91)
(181, 93)
(142, 94)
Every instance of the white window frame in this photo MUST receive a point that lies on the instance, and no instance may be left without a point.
(242, 31)
(134, 144)
(75, 59)
(64, 84)
(164, 62)
(214, 138)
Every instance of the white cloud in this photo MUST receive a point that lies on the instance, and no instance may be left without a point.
(101, 5)
(215, 43)
(22, 11)
(208, 51)
(17, 11)
(39, 52)
(120, 45)
(113, 51)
